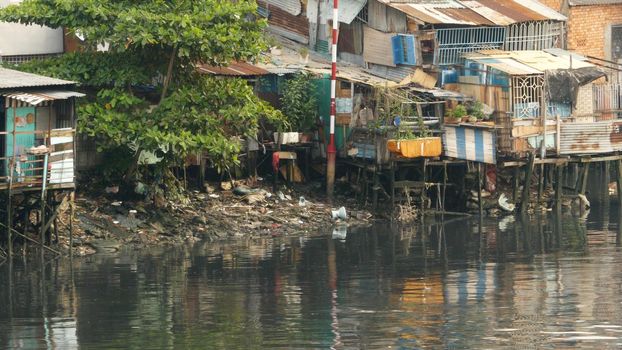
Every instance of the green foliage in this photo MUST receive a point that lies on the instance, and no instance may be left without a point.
(300, 102)
(149, 42)
(210, 115)
(459, 111)
(210, 31)
(477, 110)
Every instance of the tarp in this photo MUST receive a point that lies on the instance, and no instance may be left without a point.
(563, 84)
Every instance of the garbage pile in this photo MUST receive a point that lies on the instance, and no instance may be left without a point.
(222, 211)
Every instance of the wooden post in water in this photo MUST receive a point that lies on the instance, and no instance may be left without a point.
(444, 185)
(375, 188)
(541, 183)
(606, 178)
(43, 198)
(584, 177)
(558, 187)
(392, 184)
(527, 184)
(479, 191)
(516, 184)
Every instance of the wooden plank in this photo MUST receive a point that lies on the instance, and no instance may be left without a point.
(600, 159)
(532, 130)
(519, 163)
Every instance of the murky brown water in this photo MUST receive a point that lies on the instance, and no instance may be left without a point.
(517, 285)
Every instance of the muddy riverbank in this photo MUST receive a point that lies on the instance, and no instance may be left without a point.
(106, 221)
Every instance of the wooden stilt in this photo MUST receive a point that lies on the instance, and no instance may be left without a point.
(516, 184)
(392, 183)
(444, 185)
(56, 230)
(43, 204)
(479, 190)
(375, 189)
(606, 179)
(9, 209)
(558, 187)
(424, 179)
(584, 177)
(527, 183)
(540, 183)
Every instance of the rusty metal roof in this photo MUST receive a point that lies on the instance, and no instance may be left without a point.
(475, 12)
(11, 79)
(235, 68)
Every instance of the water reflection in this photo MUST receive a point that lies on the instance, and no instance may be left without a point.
(510, 282)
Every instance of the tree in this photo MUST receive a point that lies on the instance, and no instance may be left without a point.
(300, 102)
(146, 93)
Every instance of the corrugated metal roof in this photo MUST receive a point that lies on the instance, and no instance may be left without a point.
(526, 62)
(10, 79)
(293, 7)
(35, 98)
(594, 2)
(508, 65)
(348, 9)
(475, 12)
(235, 68)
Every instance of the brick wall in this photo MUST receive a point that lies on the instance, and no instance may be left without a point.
(585, 101)
(554, 4)
(587, 26)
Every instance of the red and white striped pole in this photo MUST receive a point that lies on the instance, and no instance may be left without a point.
(331, 149)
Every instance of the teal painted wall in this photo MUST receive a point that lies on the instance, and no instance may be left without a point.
(24, 141)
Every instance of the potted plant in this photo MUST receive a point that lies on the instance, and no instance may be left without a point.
(459, 113)
(411, 144)
(477, 112)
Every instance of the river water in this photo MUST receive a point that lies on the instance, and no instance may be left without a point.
(513, 283)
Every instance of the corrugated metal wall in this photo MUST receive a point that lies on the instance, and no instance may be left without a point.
(285, 24)
(293, 7)
(476, 144)
(591, 138)
(608, 100)
(385, 19)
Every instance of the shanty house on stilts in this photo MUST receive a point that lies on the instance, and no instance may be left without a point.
(37, 132)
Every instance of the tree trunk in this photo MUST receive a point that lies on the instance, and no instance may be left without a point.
(169, 74)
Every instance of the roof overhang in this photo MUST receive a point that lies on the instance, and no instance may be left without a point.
(38, 97)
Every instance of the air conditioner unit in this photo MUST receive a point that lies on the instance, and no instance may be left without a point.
(404, 49)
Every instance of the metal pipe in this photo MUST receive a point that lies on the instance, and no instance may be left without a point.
(331, 149)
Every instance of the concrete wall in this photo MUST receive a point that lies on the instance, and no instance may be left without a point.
(17, 39)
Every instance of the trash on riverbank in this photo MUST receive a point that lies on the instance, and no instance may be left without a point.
(229, 210)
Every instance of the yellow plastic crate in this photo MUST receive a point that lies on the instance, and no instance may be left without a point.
(415, 148)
